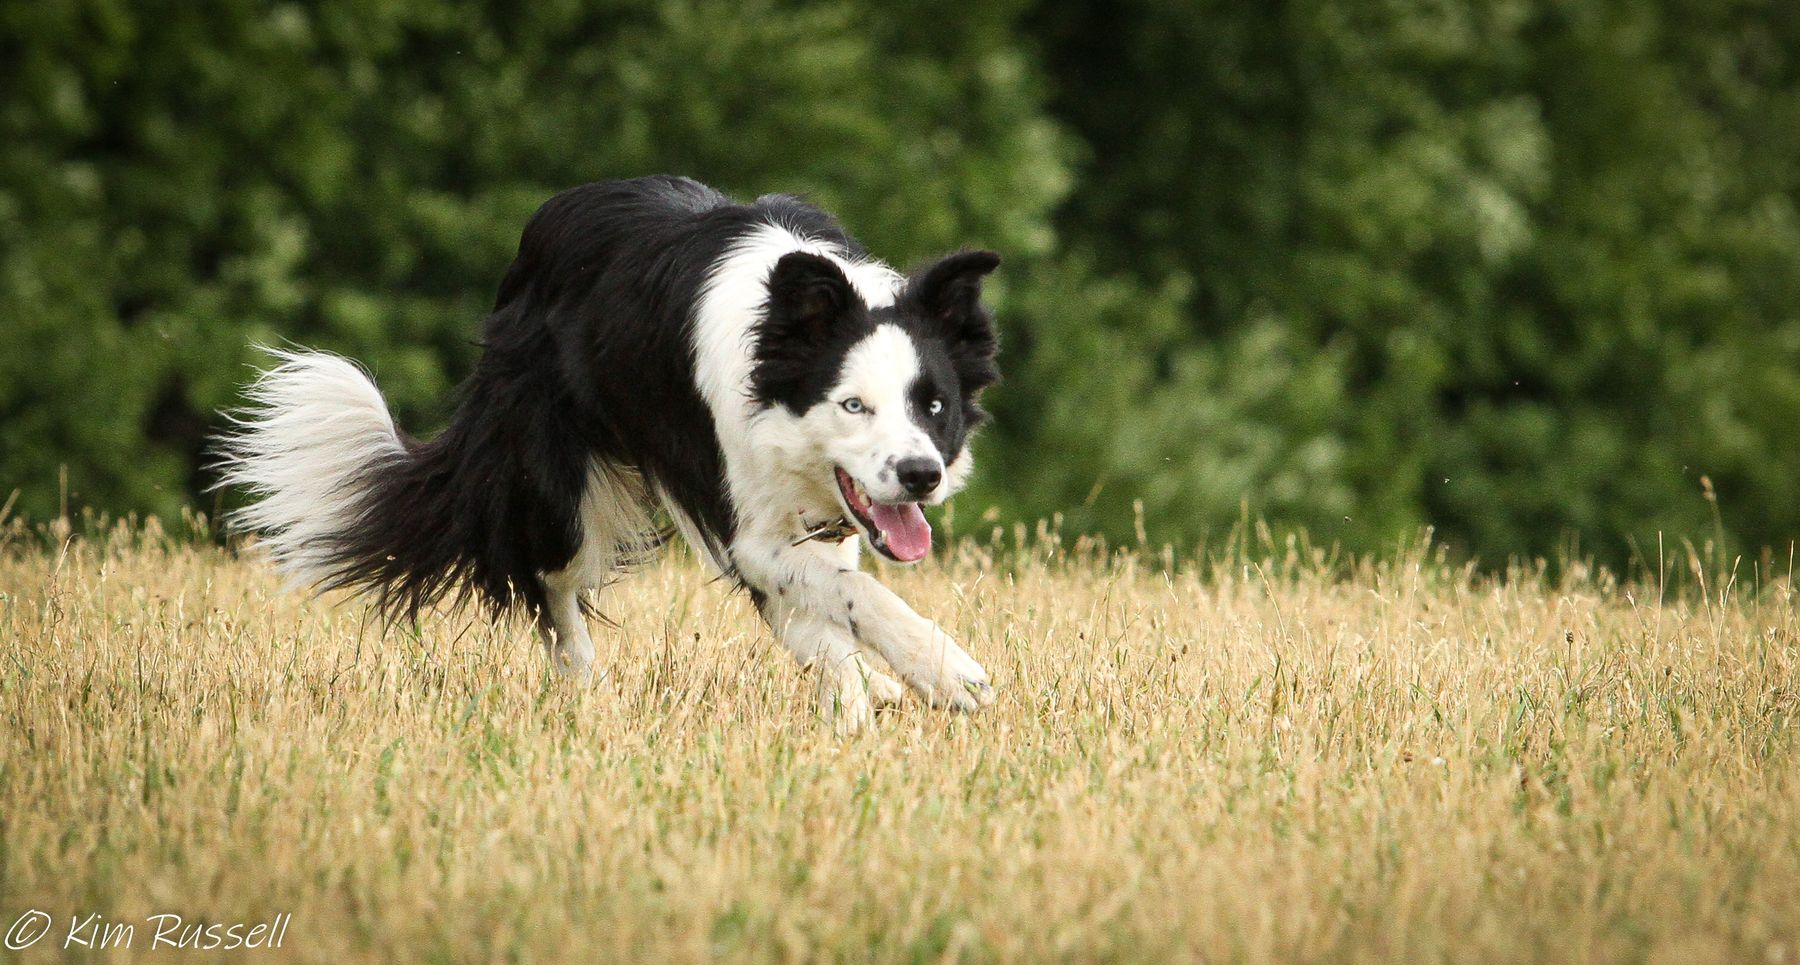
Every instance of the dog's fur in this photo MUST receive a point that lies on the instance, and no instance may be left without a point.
(657, 351)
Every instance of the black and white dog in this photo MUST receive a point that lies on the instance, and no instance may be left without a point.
(657, 352)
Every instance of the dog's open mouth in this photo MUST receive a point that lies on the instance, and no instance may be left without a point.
(897, 531)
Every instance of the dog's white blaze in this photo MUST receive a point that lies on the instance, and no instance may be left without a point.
(314, 427)
(879, 370)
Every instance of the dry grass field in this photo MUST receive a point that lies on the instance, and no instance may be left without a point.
(1269, 758)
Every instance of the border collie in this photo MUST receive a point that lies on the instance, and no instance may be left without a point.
(659, 357)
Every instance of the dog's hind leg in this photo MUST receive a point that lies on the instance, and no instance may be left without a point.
(616, 532)
(563, 627)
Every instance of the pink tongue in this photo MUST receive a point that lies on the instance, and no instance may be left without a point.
(904, 527)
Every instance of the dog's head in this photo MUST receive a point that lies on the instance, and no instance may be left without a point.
(881, 399)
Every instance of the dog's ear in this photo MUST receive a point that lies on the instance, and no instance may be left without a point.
(948, 296)
(809, 295)
(948, 293)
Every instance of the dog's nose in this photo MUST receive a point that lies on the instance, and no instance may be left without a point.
(919, 476)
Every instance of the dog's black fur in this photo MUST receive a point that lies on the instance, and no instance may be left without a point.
(588, 356)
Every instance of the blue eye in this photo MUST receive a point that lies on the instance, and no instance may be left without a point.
(937, 406)
(854, 406)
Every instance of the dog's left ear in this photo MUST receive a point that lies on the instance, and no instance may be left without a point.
(949, 292)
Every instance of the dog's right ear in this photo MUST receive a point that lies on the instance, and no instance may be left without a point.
(809, 295)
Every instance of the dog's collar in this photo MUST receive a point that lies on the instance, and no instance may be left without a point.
(836, 531)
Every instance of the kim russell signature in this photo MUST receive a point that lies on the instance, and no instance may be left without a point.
(162, 931)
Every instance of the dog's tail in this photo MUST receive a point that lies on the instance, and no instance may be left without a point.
(340, 497)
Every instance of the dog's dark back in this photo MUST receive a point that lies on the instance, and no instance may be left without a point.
(587, 356)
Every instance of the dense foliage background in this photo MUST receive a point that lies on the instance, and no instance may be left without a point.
(1523, 270)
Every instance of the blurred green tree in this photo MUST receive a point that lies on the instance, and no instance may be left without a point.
(1529, 267)
(1521, 269)
(179, 180)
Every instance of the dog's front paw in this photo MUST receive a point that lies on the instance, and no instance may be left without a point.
(884, 690)
(850, 691)
(944, 673)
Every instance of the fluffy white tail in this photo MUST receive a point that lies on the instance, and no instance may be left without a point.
(309, 449)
